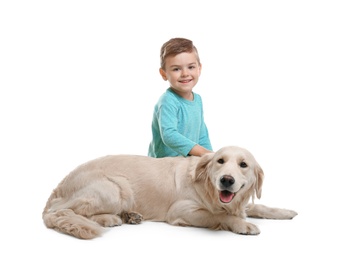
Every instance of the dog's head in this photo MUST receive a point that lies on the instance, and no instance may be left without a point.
(234, 174)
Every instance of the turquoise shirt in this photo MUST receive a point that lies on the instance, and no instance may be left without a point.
(177, 126)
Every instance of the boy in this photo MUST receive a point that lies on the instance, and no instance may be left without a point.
(178, 127)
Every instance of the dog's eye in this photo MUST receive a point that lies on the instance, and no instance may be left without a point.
(243, 165)
(221, 161)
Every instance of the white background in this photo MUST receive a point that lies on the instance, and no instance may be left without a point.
(79, 80)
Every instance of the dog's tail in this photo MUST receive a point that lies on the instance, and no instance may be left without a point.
(66, 221)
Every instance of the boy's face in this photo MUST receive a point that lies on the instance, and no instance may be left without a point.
(182, 71)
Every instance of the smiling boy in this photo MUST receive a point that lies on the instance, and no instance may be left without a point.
(178, 127)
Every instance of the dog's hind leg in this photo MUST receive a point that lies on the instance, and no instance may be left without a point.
(131, 217)
(261, 211)
(82, 212)
(121, 202)
(104, 201)
(107, 220)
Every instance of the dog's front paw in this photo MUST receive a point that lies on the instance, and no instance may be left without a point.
(288, 214)
(262, 211)
(131, 217)
(246, 228)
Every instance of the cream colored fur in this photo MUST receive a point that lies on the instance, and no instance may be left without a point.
(117, 189)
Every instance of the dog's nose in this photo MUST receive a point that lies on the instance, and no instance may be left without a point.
(227, 180)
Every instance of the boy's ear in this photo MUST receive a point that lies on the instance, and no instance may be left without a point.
(163, 74)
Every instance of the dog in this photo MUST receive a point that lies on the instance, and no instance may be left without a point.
(214, 191)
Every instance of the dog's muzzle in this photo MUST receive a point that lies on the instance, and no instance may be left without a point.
(226, 195)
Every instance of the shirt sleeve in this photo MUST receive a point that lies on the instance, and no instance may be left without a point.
(167, 115)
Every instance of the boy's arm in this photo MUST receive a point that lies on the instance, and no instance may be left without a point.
(167, 123)
(167, 115)
(199, 150)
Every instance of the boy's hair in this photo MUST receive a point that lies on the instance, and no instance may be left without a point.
(176, 46)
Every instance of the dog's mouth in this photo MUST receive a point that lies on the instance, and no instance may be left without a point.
(226, 196)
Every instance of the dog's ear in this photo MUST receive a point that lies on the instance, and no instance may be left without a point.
(203, 166)
(259, 180)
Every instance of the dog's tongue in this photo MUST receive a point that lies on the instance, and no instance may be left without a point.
(226, 196)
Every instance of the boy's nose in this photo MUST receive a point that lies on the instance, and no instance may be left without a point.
(184, 72)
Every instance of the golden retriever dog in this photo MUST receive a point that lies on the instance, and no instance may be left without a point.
(215, 191)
